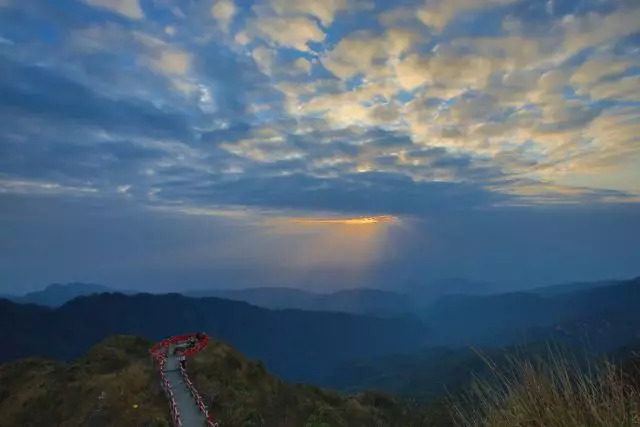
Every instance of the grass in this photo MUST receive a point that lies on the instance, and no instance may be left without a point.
(37, 392)
(241, 393)
(554, 390)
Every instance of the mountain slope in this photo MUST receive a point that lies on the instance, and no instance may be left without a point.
(567, 288)
(267, 297)
(57, 294)
(240, 392)
(37, 392)
(358, 301)
(296, 344)
(508, 318)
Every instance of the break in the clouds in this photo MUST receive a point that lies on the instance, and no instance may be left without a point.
(323, 108)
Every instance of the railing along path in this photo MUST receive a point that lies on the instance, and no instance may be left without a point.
(188, 395)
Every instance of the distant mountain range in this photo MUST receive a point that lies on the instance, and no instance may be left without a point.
(360, 301)
(298, 345)
(566, 288)
(409, 300)
(576, 316)
(585, 320)
(309, 345)
(57, 294)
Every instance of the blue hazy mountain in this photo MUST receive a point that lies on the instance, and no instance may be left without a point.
(298, 345)
(360, 301)
(57, 294)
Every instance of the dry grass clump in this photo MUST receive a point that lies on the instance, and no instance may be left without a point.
(555, 390)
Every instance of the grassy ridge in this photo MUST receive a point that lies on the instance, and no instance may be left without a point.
(37, 392)
(534, 390)
(556, 390)
(240, 392)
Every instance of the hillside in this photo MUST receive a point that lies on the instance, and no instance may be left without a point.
(38, 392)
(358, 301)
(296, 345)
(57, 294)
(519, 317)
(241, 392)
(566, 288)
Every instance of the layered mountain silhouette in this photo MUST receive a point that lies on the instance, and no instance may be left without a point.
(361, 301)
(578, 316)
(298, 345)
(57, 294)
(409, 299)
(331, 348)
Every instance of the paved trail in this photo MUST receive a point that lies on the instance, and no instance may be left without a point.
(190, 413)
(187, 406)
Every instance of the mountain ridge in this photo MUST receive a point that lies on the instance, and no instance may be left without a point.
(299, 345)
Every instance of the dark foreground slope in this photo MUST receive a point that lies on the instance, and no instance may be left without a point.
(241, 392)
(38, 392)
(296, 345)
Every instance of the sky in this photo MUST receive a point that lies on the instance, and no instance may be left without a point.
(322, 144)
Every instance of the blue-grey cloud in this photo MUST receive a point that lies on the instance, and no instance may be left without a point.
(421, 109)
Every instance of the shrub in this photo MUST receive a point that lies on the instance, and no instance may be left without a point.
(554, 390)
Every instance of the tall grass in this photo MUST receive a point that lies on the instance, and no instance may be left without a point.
(555, 390)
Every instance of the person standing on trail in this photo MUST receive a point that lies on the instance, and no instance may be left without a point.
(183, 361)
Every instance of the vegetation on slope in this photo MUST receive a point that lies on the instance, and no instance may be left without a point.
(37, 392)
(240, 392)
(297, 345)
(556, 390)
(525, 391)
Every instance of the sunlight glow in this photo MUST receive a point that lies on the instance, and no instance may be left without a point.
(347, 221)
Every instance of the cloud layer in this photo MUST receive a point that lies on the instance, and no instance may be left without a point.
(300, 105)
(346, 108)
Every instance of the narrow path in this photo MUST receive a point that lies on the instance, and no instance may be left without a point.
(190, 413)
(187, 407)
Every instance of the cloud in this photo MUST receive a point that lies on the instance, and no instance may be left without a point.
(346, 109)
(265, 58)
(128, 8)
(171, 62)
(595, 69)
(302, 64)
(346, 221)
(438, 14)
(223, 11)
(594, 29)
(413, 72)
(116, 41)
(324, 10)
(200, 121)
(42, 188)
(293, 32)
(46, 94)
(623, 89)
(356, 53)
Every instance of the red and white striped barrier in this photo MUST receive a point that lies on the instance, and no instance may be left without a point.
(175, 413)
(159, 352)
(198, 398)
